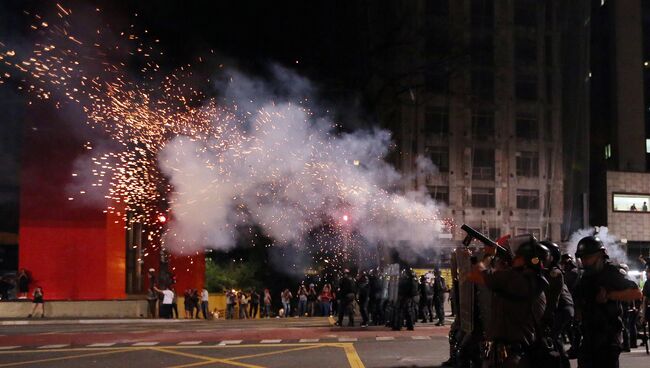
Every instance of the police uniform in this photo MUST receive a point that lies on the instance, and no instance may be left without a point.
(601, 323)
(518, 301)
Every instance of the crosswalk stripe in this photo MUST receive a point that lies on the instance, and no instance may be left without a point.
(230, 342)
(101, 345)
(8, 347)
(421, 337)
(189, 343)
(347, 339)
(276, 341)
(54, 346)
(385, 338)
(145, 343)
(309, 340)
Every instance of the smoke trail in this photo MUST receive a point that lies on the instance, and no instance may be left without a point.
(288, 170)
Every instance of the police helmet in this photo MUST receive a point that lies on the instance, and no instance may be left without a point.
(589, 245)
(527, 247)
(554, 251)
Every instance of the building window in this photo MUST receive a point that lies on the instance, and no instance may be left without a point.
(436, 121)
(527, 164)
(436, 81)
(525, 231)
(439, 194)
(436, 7)
(528, 199)
(439, 156)
(630, 202)
(482, 49)
(483, 164)
(525, 13)
(482, 124)
(525, 51)
(526, 87)
(526, 126)
(483, 84)
(482, 14)
(483, 197)
(608, 151)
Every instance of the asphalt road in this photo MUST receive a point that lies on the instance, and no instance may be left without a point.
(303, 342)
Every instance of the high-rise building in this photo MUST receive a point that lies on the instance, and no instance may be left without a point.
(620, 92)
(475, 86)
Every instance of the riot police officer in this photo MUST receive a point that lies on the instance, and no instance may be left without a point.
(439, 290)
(346, 295)
(406, 308)
(600, 291)
(517, 303)
(426, 300)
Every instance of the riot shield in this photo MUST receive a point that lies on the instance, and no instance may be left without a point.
(465, 290)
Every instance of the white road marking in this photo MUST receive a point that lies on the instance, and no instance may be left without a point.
(309, 340)
(8, 347)
(276, 341)
(230, 342)
(54, 346)
(348, 339)
(385, 338)
(421, 337)
(145, 343)
(189, 343)
(101, 345)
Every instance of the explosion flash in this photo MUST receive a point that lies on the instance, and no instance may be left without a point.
(199, 167)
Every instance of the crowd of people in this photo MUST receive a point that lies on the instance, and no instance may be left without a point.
(528, 301)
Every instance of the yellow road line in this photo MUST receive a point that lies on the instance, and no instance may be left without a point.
(274, 352)
(205, 359)
(63, 358)
(353, 356)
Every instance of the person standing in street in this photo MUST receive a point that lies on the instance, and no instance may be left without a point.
(174, 304)
(326, 300)
(439, 290)
(205, 297)
(254, 304)
(267, 303)
(166, 305)
(599, 294)
(152, 302)
(346, 294)
(426, 300)
(38, 302)
(363, 287)
(23, 283)
(286, 296)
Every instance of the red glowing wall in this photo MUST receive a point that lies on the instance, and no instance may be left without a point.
(72, 249)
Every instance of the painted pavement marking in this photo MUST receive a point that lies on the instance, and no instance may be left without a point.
(385, 338)
(101, 345)
(54, 346)
(230, 342)
(189, 343)
(348, 339)
(146, 343)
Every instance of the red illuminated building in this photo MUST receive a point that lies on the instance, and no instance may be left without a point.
(72, 248)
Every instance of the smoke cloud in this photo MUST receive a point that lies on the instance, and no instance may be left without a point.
(284, 166)
(611, 242)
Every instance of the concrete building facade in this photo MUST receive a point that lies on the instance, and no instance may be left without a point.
(476, 86)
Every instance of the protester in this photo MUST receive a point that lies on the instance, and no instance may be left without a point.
(38, 302)
(196, 306)
(230, 304)
(152, 302)
(267, 303)
(243, 306)
(311, 300)
(254, 304)
(174, 303)
(302, 300)
(166, 305)
(23, 283)
(187, 303)
(326, 300)
(286, 296)
(204, 303)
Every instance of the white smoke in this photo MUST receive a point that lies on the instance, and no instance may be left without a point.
(287, 170)
(611, 242)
